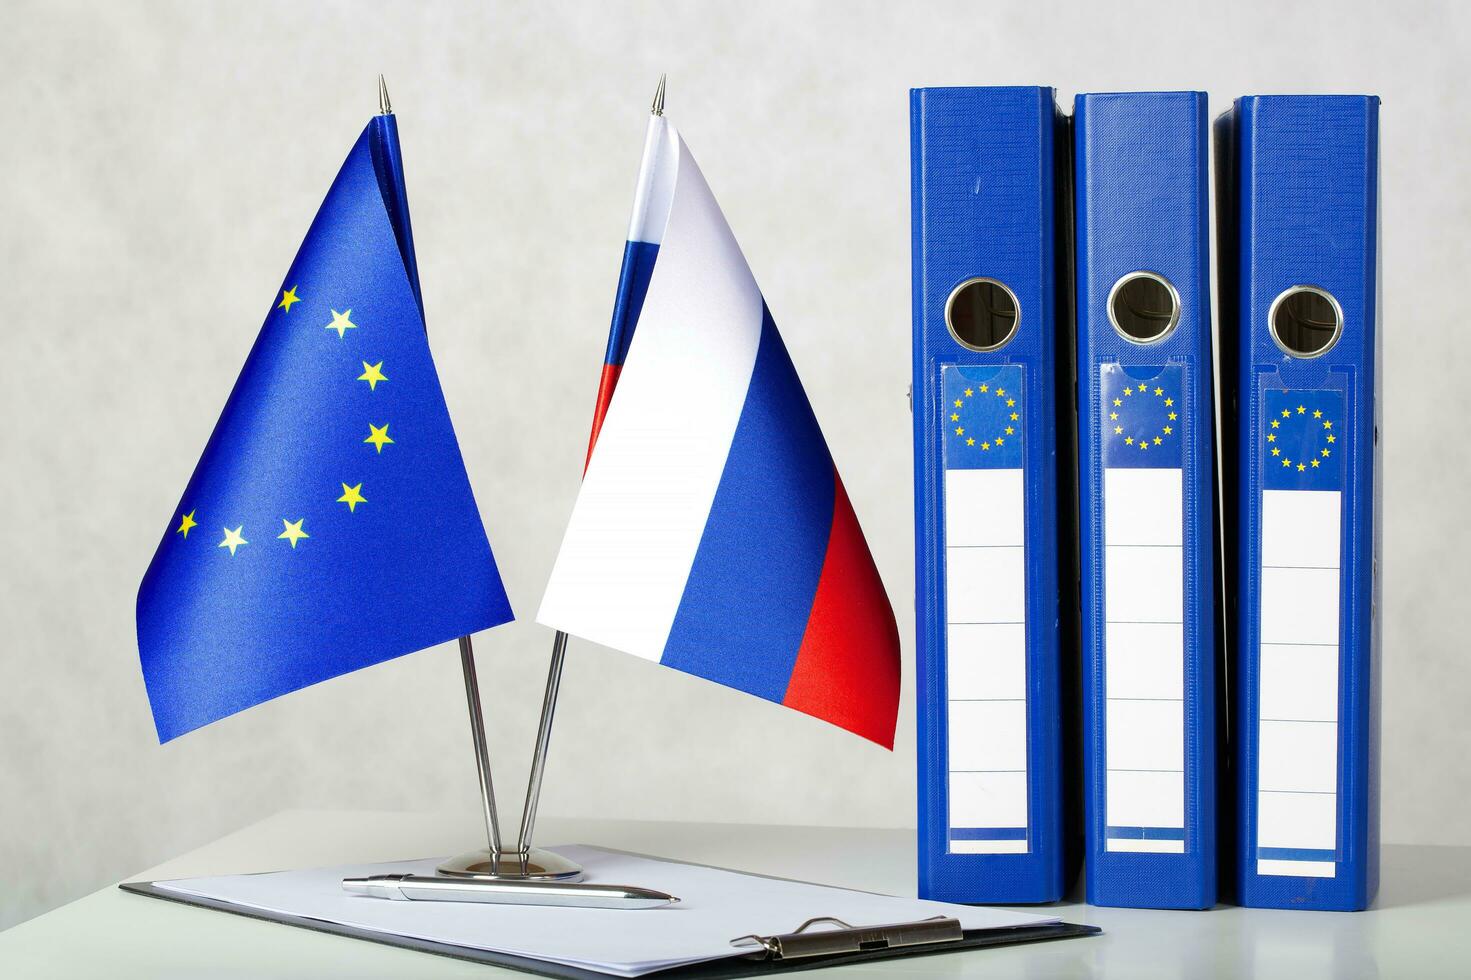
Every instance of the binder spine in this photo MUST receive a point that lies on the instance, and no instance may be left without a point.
(1147, 492)
(1306, 499)
(986, 495)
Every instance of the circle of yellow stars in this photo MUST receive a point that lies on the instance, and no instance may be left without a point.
(1312, 462)
(1166, 429)
(352, 495)
(1008, 430)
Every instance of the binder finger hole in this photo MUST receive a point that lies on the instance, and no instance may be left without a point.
(1144, 307)
(1306, 321)
(982, 314)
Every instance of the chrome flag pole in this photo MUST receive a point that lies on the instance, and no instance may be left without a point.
(524, 861)
(559, 642)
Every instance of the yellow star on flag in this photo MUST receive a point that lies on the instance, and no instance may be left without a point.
(1158, 392)
(1315, 464)
(233, 539)
(1287, 462)
(288, 296)
(1000, 441)
(1169, 402)
(1276, 424)
(293, 532)
(970, 442)
(1301, 467)
(1118, 401)
(959, 431)
(372, 374)
(1000, 392)
(1317, 413)
(954, 417)
(352, 496)
(1332, 438)
(1113, 416)
(1271, 437)
(958, 403)
(1118, 430)
(1327, 424)
(341, 323)
(1169, 430)
(1014, 416)
(379, 436)
(1010, 402)
(1301, 409)
(1010, 430)
(1157, 440)
(1129, 440)
(985, 447)
(1172, 416)
(186, 521)
(969, 392)
(985, 388)
(1326, 454)
(1276, 451)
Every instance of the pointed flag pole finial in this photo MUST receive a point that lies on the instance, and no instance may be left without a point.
(658, 108)
(384, 106)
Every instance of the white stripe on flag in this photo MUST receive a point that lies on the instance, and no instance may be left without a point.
(646, 497)
(1144, 655)
(655, 189)
(986, 655)
(1297, 708)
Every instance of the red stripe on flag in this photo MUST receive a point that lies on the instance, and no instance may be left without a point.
(606, 384)
(847, 669)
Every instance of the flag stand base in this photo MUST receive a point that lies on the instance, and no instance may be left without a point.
(522, 862)
(538, 864)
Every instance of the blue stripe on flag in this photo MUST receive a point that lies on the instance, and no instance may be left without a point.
(633, 286)
(988, 833)
(1296, 854)
(1145, 833)
(745, 606)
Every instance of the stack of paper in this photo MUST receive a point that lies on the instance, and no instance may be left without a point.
(715, 907)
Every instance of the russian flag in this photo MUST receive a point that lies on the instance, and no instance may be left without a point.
(712, 533)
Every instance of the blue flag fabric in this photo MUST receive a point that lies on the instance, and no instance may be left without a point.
(329, 524)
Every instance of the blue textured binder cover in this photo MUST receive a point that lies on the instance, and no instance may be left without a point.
(1146, 440)
(1300, 208)
(987, 444)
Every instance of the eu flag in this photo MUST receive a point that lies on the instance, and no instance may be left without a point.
(329, 524)
(1144, 416)
(982, 417)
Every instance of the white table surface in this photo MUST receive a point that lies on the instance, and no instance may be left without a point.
(1420, 927)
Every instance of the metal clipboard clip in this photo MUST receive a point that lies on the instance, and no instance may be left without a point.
(853, 939)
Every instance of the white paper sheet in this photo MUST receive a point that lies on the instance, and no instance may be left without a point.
(715, 907)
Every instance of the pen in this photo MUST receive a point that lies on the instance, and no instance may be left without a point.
(424, 888)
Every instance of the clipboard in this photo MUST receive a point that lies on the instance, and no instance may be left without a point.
(818, 942)
(805, 948)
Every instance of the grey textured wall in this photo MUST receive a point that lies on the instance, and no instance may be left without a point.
(160, 163)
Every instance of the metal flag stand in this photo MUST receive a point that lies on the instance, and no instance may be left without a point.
(523, 862)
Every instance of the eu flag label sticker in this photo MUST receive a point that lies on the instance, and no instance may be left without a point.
(1142, 413)
(1301, 448)
(981, 423)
